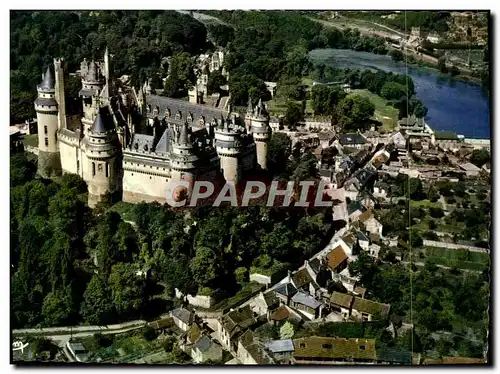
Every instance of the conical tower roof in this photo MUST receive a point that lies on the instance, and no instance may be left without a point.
(48, 80)
(103, 121)
(183, 136)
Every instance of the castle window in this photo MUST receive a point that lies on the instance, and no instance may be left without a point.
(46, 142)
(77, 166)
(45, 129)
(107, 169)
(93, 169)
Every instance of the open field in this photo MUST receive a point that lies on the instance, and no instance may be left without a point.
(384, 113)
(459, 258)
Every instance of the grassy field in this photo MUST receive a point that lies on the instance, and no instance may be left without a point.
(424, 204)
(125, 348)
(459, 258)
(384, 113)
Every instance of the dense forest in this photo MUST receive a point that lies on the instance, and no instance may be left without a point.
(138, 42)
(263, 46)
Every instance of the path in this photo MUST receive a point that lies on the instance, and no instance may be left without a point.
(421, 264)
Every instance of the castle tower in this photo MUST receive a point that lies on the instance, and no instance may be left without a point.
(261, 133)
(93, 82)
(228, 147)
(103, 171)
(46, 107)
(183, 161)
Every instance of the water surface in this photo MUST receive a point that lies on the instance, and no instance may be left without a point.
(453, 105)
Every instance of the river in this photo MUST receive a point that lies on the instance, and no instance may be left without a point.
(453, 105)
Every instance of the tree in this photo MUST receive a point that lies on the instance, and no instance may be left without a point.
(96, 308)
(57, 308)
(287, 331)
(241, 275)
(215, 81)
(293, 114)
(127, 289)
(396, 55)
(393, 91)
(480, 157)
(354, 111)
(279, 149)
(442, 65)
(181, 77)
(436, 212)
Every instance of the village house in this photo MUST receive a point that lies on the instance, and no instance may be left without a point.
(303, 281)
(380, 189)
(336, 260)
(182, 318)
(250, 353)
(78, 351)
(307, 305)
(232, 325)
(285, 292)
(447, 140)
(263, 303)
(471, 170)
(317, 350)
(370, 223)
(282, 314)
(399, 140)
(368, 310)
(353, 141)
(354, 210)
(341, 303)
(206, 349)
(280, 350)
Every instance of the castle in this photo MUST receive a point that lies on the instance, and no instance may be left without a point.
(131, 143)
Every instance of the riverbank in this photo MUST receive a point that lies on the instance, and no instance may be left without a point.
(453, 105)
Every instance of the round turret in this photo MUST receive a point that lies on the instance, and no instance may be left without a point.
(259, 127)
(102, 150)
(46, 108)
(229, 148)
(183, 160)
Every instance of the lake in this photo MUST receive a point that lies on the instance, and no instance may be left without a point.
(452, 104)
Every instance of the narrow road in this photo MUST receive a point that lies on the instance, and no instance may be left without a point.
(421, 264)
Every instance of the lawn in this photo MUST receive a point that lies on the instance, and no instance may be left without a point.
(459, 258)
(424, 204)
(126, 347)
(244, 294)
(384, 113)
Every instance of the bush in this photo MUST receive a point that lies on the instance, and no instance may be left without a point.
(241, 275)
(432, 225)
(431, 235)
(148, 333)
(436, 212)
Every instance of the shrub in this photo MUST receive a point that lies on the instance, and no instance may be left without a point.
(149, 333)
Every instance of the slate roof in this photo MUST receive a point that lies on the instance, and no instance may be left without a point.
(334, 348)
(342, 299)
(362, 236)
(286, 289)
(280, 346)
(315, 265)
(49, 81)
(352, 139)
(307, 300)
(165, 143)
(336, 257)
(354, 206)
(370, 307)
(204, 343)
(238, 320)
(103, 121)
(45, 101)
(182, 314)
(185, 108)
(143, 142)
